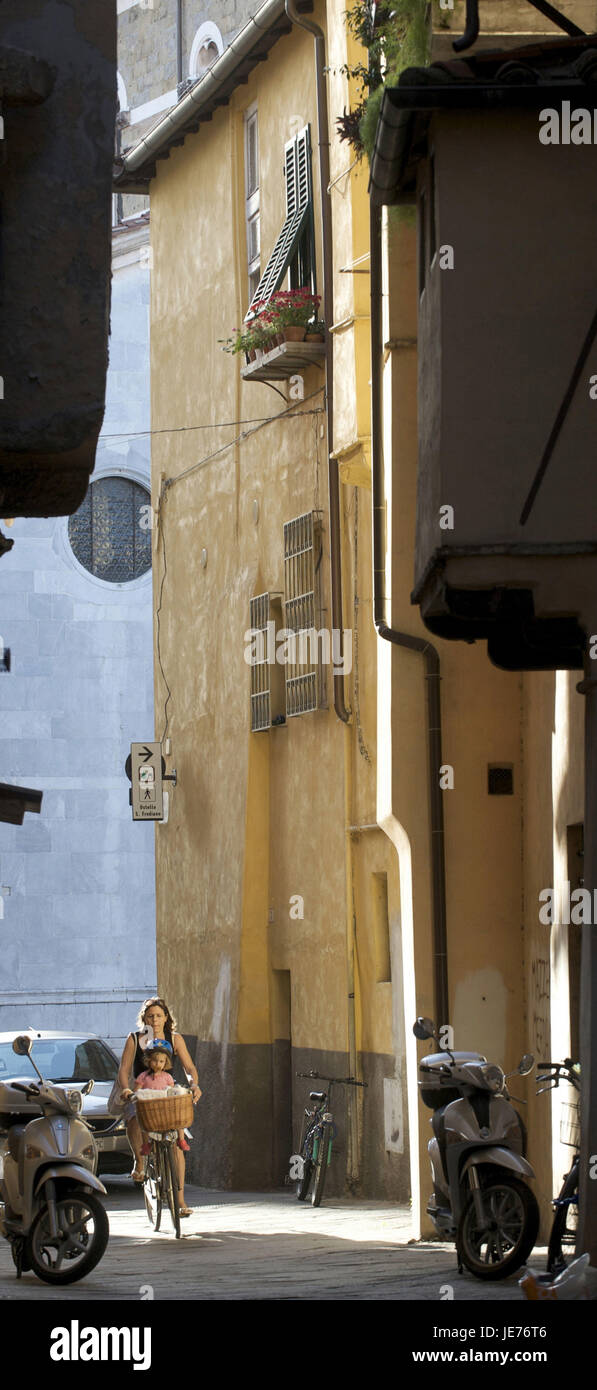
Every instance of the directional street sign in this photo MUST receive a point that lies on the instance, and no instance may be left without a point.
(146, 779)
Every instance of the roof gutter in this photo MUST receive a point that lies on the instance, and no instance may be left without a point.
(202, 91)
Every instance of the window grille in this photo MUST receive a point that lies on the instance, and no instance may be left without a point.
(302, 564)
(110, 533)
(261, 714)
(267, 675)
(294, 247)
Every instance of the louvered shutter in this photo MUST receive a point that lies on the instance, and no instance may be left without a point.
(297, 172)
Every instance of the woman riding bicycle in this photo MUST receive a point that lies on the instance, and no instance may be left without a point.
(155, 1021)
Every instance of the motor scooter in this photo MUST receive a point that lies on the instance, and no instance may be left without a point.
(477, 1153)
(49, 1209)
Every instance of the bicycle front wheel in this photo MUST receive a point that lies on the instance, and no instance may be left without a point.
(562, 1240)
(152, 1187)
(172, 1188)
(322, 1159)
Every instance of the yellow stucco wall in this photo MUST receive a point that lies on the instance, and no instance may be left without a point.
(259, 818)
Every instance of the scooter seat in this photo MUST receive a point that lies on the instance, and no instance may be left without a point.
(15, 1137)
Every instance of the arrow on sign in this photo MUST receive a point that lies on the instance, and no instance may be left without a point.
(148, 754)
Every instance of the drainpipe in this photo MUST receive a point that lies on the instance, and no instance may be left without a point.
(328, 299)
(404, 639)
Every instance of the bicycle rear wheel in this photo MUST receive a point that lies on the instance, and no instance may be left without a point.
(152, 1187)
(304, 1183)
(321, 1163)
(172, 1188)
(562, 1240)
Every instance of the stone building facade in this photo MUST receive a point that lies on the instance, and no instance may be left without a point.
(77, 898)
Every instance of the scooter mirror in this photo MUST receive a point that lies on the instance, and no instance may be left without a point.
(526, 1064)
(424, 1028)
(22, 1045)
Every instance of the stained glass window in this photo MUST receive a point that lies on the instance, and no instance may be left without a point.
(111, 533)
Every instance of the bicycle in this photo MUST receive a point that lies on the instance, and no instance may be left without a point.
(161, 1176)
(318, 1136)
(563, 1231)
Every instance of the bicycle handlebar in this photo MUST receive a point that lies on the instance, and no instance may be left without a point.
(566, 1065)
(554, 1072)
(338, 1080)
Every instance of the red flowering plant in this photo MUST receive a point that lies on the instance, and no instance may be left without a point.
(285, 309)
(294, 308)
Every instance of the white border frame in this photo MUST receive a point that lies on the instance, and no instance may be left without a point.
(122, 96)
(206, 33)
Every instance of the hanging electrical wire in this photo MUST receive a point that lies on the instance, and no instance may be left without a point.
(292, 413)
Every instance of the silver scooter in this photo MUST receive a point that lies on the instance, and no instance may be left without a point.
(478, 1162)
(49, 1210)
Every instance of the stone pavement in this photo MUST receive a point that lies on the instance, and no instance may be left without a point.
(261, 1246)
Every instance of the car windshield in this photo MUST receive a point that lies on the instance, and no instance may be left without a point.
(61, 1059)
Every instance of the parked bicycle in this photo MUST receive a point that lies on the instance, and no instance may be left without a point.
(160, 1118)
(319, 1132)
(562, 1240)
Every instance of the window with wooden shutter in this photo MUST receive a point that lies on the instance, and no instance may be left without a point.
(252, 198)
(303, 612)
(294, 248)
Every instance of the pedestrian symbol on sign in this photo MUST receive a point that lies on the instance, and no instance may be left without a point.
(146, 768)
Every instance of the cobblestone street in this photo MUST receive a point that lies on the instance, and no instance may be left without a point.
(261, 1246)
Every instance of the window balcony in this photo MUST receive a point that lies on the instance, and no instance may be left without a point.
(284, 360)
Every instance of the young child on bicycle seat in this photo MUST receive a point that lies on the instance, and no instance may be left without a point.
(157, 1078)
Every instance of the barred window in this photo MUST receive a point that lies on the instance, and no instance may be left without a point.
(302, 603)
(267, 679)
(261, 717)
(110, 534)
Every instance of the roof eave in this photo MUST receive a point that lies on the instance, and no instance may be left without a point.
(137, 167)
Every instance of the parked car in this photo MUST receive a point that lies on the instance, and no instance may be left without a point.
(72, 1059)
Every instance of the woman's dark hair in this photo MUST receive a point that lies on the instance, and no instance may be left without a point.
(170, 1025)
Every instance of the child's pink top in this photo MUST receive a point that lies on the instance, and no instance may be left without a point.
(153, 1081)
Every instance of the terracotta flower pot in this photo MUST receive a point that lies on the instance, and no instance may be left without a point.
(252, 354)
(314, 338)
(294, 333)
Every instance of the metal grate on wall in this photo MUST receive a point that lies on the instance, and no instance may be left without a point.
(109, 533)
(302, 603)
(261, 715)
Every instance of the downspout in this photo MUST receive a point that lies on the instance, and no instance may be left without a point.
(328, 299)
(352, 1166)
(404, 639)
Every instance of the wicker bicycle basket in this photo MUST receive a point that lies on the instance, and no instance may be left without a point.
(167, 1112)
(570, 1124)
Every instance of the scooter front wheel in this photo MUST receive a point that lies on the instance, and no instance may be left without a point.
(497, 1245)
(82, 1237)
